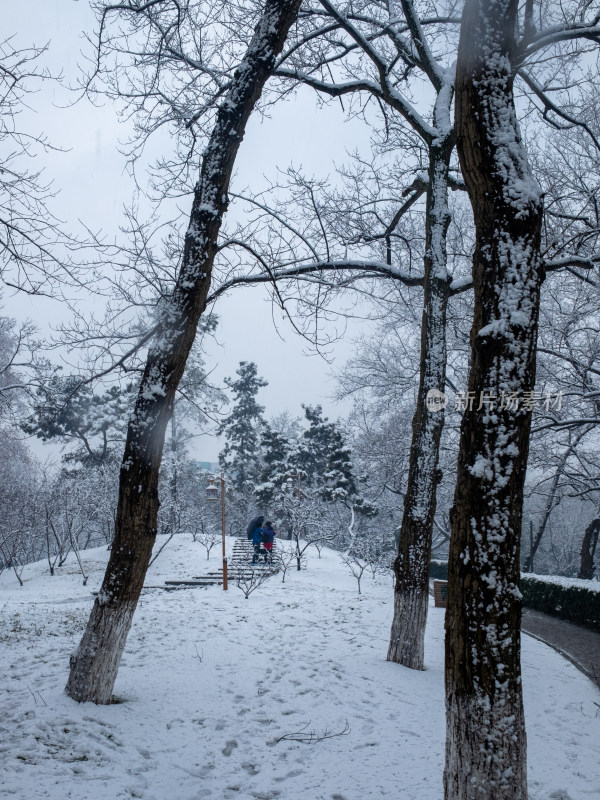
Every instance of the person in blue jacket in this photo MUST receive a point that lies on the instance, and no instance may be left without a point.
(257, 538)
(255, 523)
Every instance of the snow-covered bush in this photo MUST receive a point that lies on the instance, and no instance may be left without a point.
(575, 600)
(568, 598)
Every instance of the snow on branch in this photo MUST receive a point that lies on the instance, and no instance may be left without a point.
(550, 107)
(560, 33)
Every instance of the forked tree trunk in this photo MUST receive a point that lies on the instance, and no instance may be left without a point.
(486, 743)
(549, 506)
(95, 664)
(411, 567)
(552, 501)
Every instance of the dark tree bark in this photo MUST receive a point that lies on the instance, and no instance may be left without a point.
(174, 489)
(588, 550)
(411, 567)
(486, 742)
(95, 664)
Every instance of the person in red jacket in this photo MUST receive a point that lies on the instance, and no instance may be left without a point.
(267, 538)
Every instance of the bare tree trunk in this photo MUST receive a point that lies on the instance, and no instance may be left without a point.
(551, 502)
(95, 664)
(588, 550)
(486, 742)
(174, 476)
(411, 567)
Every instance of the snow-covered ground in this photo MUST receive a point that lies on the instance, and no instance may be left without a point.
(215, 686)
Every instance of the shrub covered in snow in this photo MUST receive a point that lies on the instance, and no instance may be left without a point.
(438, 570)
(569, 598)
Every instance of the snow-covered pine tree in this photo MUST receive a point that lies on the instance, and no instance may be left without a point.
(69, 412)
(275, 452)
(242, 429)
(324, 458)
(324, 462)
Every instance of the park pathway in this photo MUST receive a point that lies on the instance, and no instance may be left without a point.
(579, 645)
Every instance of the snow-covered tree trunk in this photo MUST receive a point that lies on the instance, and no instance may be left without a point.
(95, 664)
(173, 487)
(411, 567)
(588, 550)
(486, 743)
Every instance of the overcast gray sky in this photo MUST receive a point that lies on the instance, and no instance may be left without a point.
(93, 186)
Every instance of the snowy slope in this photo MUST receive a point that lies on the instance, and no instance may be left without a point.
(211, 681)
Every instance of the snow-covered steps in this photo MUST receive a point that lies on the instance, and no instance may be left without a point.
(189, 583)
(240, 569)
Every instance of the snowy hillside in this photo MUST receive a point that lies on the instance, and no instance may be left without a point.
(217, 690)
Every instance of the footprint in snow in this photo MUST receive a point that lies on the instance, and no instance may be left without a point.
(293, 774)
(229, 747)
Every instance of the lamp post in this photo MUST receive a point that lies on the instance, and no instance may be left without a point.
(212, 493)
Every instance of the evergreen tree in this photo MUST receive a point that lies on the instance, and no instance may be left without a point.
(70, 412)
(242, 429)
(275, 451)
(324, 458)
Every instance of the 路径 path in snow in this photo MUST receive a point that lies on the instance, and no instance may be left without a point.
(581, 646)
